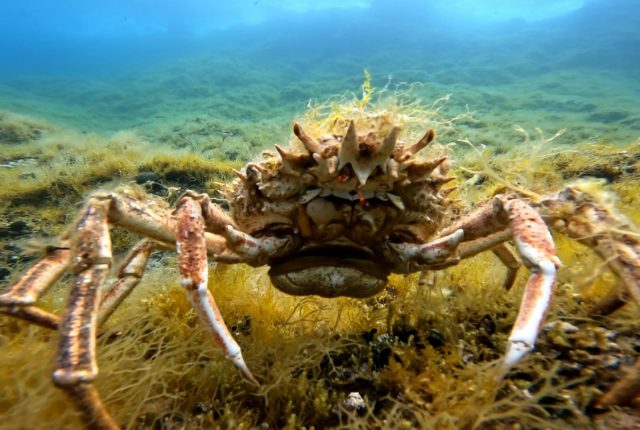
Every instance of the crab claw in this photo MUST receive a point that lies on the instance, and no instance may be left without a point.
(239, 362)
(252, 247)
(434, 252)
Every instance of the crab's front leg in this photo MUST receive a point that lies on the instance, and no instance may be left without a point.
(194, 215)
(536, 247)
(257, 251)
(193, 266)
(501, 220)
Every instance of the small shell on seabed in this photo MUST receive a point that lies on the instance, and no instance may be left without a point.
(354, 403)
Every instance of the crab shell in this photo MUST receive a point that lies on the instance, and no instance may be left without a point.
(343, 200)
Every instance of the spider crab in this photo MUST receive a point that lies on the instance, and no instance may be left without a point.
(332, 218)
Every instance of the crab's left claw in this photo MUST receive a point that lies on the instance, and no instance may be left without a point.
(193, 266)
(495, 223)
(429, 254)
(257, 250)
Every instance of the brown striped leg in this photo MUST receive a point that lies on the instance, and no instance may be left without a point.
(129, 276)
(76, 365)
(87, 400)
(18, 301)
(193, 266)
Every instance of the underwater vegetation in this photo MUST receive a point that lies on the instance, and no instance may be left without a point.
(421, 354)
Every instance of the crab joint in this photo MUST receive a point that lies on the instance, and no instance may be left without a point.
(250, 246)
(430, 253)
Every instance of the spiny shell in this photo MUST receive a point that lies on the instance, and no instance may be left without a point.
(389, 180)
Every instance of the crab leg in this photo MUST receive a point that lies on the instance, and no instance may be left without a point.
(595, 223)
(434, 252)
(76, 366)
(90, 258)
(34, 315)
(502, 251)
(129, 276)
(510, 261)
(250, 246)
(215, 219)
(496, 222)
(158, 224)
(18, 301)
(535, 244)
(192, 262)
(254, 250)
(38, 279)
(126, 211)
(495, 243)
(625, 264)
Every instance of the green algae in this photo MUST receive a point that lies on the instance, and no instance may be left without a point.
(422, 354)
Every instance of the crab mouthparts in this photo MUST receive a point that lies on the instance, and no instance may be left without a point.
(330, 271)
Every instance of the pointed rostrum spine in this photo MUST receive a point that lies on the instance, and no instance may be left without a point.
(363, 166)
(349, 149)
(364, 156)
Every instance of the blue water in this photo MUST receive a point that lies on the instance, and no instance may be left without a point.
(111, 65)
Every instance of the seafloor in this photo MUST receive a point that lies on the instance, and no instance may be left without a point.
(421, 354)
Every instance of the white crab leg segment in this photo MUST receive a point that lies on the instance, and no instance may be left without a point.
(535, 244)
(429, 253)
(192, 262)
